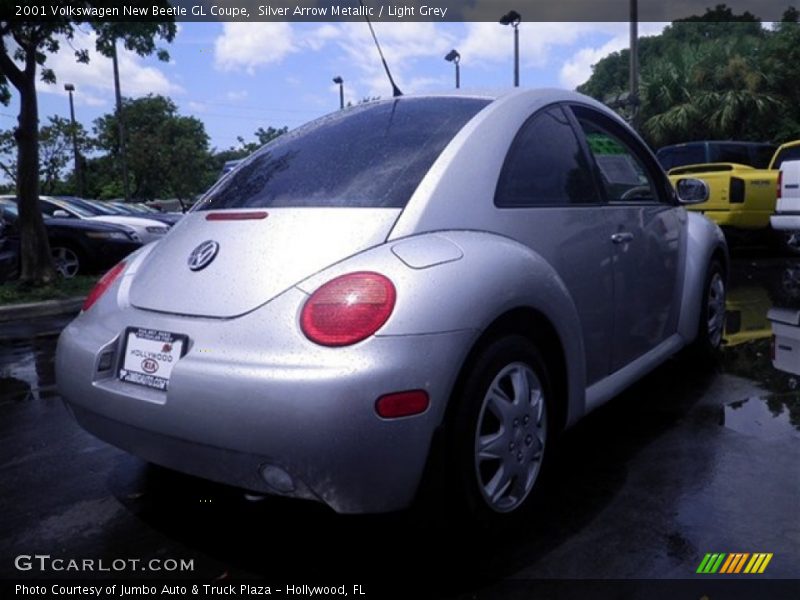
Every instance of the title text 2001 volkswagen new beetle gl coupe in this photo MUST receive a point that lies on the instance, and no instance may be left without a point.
(443, 276)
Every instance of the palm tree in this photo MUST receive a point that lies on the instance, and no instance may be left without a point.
(712, 90)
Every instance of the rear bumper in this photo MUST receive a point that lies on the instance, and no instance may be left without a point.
(228, 415)
(739, 219)
(785, 222)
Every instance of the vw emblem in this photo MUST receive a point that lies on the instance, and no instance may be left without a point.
(202, 256)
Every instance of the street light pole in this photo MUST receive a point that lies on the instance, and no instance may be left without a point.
(78, 173)
(120, 125)
(340, 81)
(513, 18)
(454, 57)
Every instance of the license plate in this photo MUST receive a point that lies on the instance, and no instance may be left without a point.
(150, 355)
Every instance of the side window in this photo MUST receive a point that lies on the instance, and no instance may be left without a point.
(545, 166)
(47, 208)
(622, 170)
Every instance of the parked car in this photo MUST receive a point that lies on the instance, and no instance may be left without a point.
(77, 246)
(9, 252)
(401, 285)
(229, 166)
(742, 199)
(65, 207)
(753, 154)
(149, 230)
(141, 210)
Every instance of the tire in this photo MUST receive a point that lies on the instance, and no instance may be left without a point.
(711, 326)
(499, 432)
(68, 261)
(787, 242)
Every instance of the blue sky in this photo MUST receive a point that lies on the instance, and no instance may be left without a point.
(237, 77)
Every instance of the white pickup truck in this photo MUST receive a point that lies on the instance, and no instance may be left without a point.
(785, 339)
(787, 209)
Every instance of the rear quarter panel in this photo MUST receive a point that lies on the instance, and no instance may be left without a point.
(493, 276)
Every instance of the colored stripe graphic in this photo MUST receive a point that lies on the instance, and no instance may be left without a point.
(711, 563)
(758, 563)
(734, 563)
(741, 562)
(729, 564)
(732, 559)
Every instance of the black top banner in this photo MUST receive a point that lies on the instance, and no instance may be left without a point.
(381, 10)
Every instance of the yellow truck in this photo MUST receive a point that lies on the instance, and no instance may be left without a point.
(741, 197)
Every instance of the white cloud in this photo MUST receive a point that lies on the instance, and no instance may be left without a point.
(236, 95)
(321, 35)
(246, 46)
(578, 68)
(94, 82)
(489, 43)
(403, 44)
(196, 106)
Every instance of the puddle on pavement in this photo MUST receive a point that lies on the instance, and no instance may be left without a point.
(770, 418)
(27, 369)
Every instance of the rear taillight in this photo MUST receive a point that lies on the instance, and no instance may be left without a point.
(102, 285)
(348, 309)
(780, 184)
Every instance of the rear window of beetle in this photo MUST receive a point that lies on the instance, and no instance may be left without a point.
(372, 155)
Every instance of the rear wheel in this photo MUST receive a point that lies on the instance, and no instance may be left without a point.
(66, 260)
(501, 428)
(711, 327)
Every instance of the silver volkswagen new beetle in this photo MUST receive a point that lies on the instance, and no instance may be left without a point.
(444, 279)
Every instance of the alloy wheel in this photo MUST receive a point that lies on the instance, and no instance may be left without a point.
(66, 262)
(510, 437)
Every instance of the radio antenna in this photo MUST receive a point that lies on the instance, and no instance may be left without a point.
(395, 90)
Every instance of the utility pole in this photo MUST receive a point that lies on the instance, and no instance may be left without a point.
(634, 62)
(122, 150)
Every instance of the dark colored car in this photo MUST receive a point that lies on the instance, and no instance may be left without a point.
(140, 210)
(753, 154)
(78, 246)
(9, 252)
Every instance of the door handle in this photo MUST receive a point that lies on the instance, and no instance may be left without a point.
(623, 237)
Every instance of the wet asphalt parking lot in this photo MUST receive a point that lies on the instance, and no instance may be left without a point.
(687, 462)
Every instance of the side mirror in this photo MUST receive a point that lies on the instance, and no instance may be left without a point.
(692, 191)
(61, 214)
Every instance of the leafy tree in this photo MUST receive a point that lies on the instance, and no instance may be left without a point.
(8, 155)
(718, 75)
(714, 90)
(24, 47)
(55, 153)
(263, 136)
(243, 150)
(167, 153)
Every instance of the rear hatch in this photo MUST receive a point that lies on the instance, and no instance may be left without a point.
(257, 259)
(312, 197)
